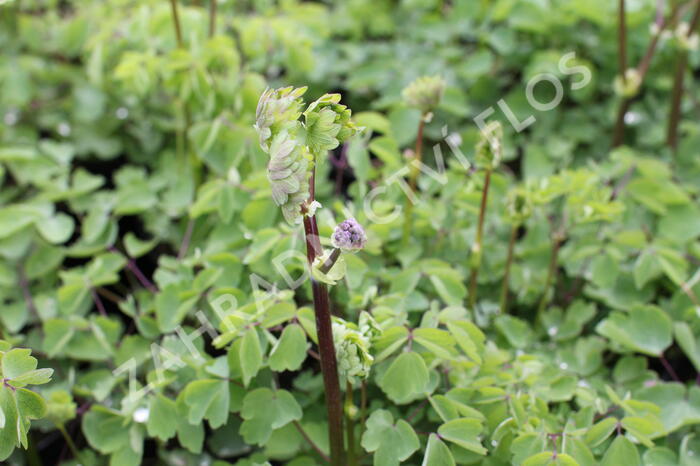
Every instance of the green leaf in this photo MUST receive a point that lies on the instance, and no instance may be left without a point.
(57, 229)
(406, 377)
(290, 351)
(16, 362)
(437, 453)
(390, 442)
(264, 411)
(599, 432)
(207, 399)
(162, 418)
(621, 451)
(250, 355)
(688, 343)
(646, 268)
(517, 331)
(437, 341)
(465, 433)
(136, 247)
(104, 429)
(645, 329)
(449, 285)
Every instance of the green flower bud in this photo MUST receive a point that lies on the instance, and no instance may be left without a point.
(424, 93)
(685, 39)
(518, 206)
(328, 124)
(629, 87)
(489, 149)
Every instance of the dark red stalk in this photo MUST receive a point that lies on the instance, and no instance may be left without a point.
(326, 348)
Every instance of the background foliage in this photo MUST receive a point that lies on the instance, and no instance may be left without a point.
(134, 194)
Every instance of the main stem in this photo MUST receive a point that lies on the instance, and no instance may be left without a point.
(326, 348)
(674, 117)
(619, 133)
(477, 244)
(622, 40)
(413, 179)
(551, 271)
(176, 22)
(212, 18)
(352, 459)
(509, 263)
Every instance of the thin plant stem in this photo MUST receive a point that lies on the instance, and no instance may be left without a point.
(187, 237)
(674, 117)
(551, 272)
(310, 441)
(363, 402)
(619, 132)
(622, 40)
(352, 459)
(413, 180)
(71, 445)
(98, 302)
(643, 68)
(330, 262)
(212, 18)
(326, 348)
(669, 368)
(479, 235)
(509, 263)
(176, 23)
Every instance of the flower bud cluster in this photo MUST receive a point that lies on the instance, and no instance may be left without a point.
(519, 206)
(489, 149)
(628, 87)
(294, 146)
(349, 236)
(353, 345)
(424, 93)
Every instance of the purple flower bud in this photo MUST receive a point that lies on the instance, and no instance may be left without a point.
(349, 236)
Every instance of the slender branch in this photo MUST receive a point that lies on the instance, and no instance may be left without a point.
(678, 86)
(363, 402)
(509, 263)
(622, 40)
(212, 18)
(551, 271)
(477, 245)
(186, 240)
(71, 445)
(316, 448)
(352, 459)
(330, 262)
(674, 114)
(26, 292)
(643, 68)
(619, 132)
(669, 368)
(98, 302)
(115, 298)
(413, 180)
(176, 23)
(145, 282)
